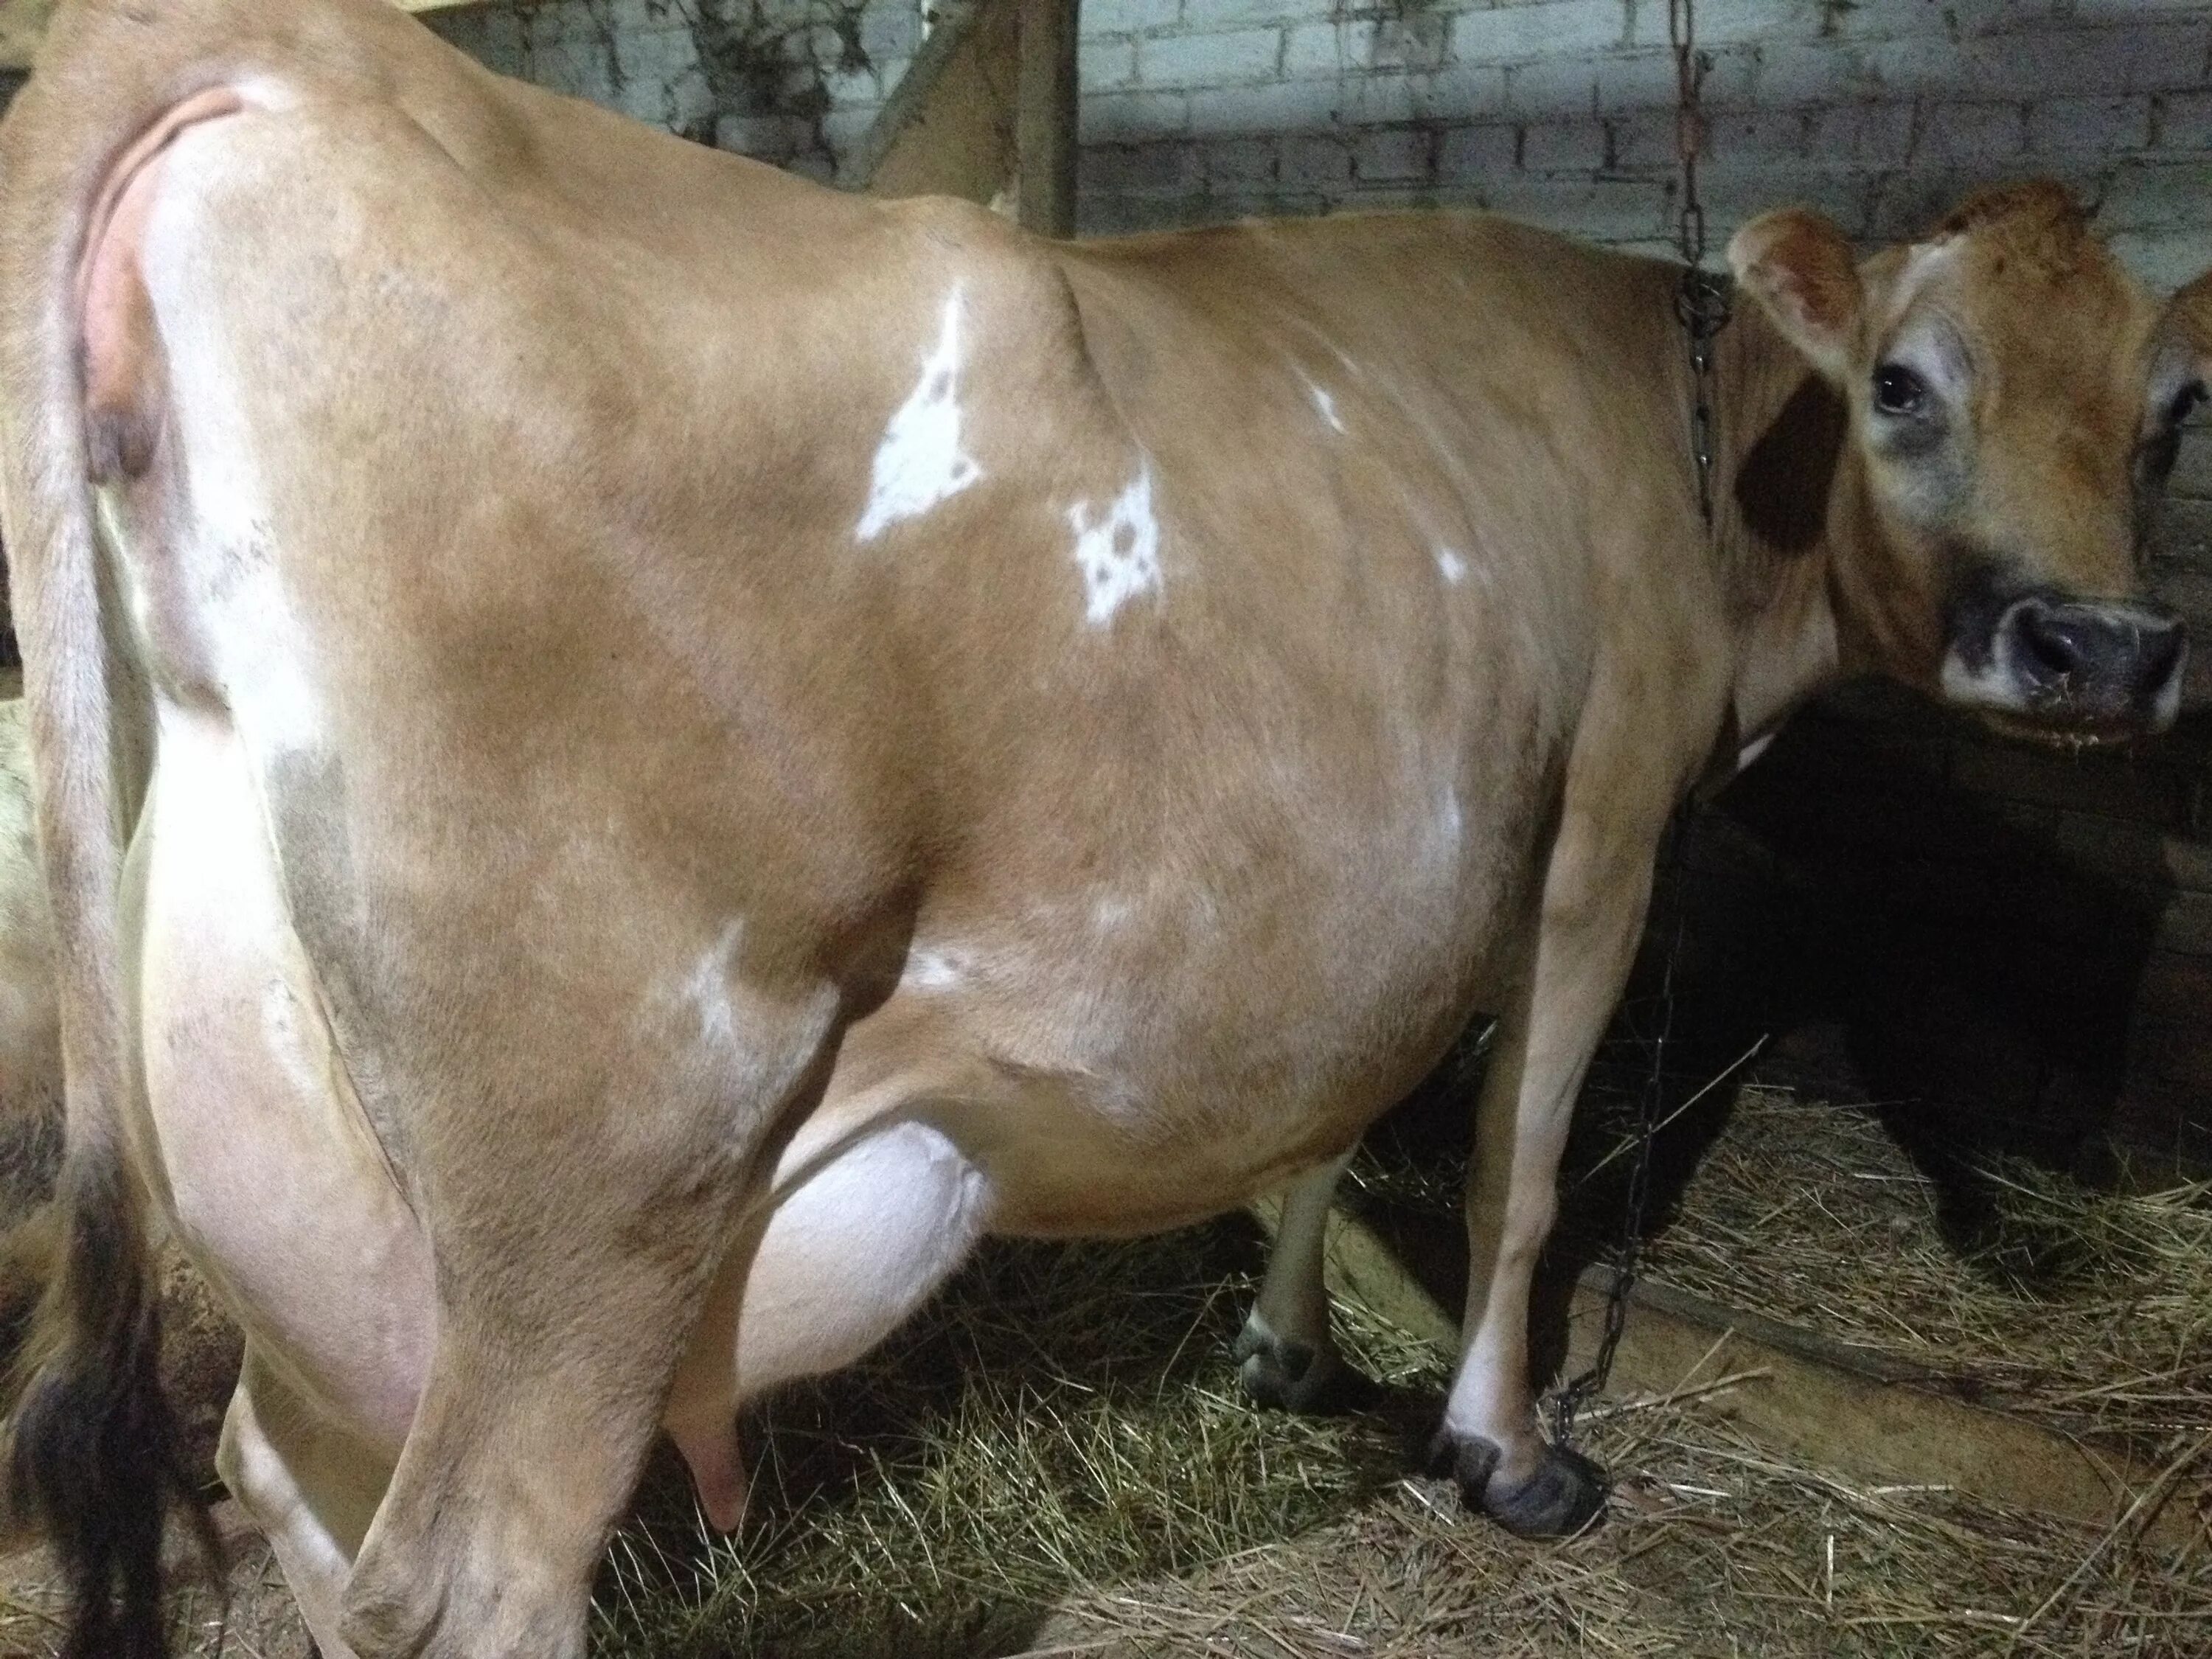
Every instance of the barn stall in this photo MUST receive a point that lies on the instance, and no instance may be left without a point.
(1920, 1358)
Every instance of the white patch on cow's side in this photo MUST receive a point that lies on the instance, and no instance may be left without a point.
(1110, 912)
(707, 987)
(1120, 553)
(920, 462)
(1326, 405)
(932, 971)
(1440, 840)
(1451, 566)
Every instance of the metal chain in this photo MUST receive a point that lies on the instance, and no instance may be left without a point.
(1702, 302)
(1702, 305)
(1628, 1247)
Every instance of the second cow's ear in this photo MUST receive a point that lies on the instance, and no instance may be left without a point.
(2189, 314)
(1802, 270)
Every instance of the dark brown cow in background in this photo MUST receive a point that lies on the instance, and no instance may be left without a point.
(713, 742)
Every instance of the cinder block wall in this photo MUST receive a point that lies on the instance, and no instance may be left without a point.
(1876, 111)
(793, 82)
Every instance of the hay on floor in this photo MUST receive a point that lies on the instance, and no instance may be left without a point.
(2089, 1312)
(1057, 1461)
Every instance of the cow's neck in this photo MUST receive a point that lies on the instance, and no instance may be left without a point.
(1788, 487)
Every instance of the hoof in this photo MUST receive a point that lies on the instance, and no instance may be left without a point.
(1296, 1376)
(1560, 1498)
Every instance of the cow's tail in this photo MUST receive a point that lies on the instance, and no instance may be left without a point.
(92, 1453)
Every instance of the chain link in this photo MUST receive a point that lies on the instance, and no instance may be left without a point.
(1628, 1248)
(1702, 303)
(1702, 306)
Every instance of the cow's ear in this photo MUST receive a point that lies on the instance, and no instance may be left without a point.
(1800, 270)
(2189, 314)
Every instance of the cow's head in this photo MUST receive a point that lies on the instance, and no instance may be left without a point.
(2014, 397)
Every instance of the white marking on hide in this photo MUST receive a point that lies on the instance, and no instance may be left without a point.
(1326, 405)
(1996, 684)
(932, 971)
(707, 987)
(1120, 555)
(1451, 566)
(919, 462)
(1109, 913)
(1923, 261)
(1439, 842)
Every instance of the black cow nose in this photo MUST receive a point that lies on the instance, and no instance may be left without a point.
(2054, 641)
(2108, 659)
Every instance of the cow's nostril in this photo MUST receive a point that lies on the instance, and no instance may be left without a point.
(2052, 649)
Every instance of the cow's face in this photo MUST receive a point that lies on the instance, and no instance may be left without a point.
(2014, 401)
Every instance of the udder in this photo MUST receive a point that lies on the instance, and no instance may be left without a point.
(278, 1187)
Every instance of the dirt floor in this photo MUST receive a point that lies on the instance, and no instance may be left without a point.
(1055, 1461)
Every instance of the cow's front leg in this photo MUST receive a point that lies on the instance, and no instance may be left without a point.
(1595, 894)
(1288, 1357)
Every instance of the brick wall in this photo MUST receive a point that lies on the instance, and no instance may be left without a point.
(1876, 111)
(794, 81)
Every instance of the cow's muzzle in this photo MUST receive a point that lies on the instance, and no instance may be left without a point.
(2068, 669)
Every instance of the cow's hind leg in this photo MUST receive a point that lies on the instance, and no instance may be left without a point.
(310, 1489)
(1594, 898)
(544, 1394)
(576, 1235)
(1287, 1356)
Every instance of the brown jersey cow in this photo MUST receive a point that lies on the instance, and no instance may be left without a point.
(714, 742)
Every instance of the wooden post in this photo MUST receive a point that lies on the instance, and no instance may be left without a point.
(1045, 116)
(948, 127)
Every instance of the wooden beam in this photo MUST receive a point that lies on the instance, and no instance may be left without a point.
(1841, 1408)
(23, 25)
(948, 127)
(1045, 116)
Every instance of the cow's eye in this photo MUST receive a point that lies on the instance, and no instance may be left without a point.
(1898, 391)
(2184, 402)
